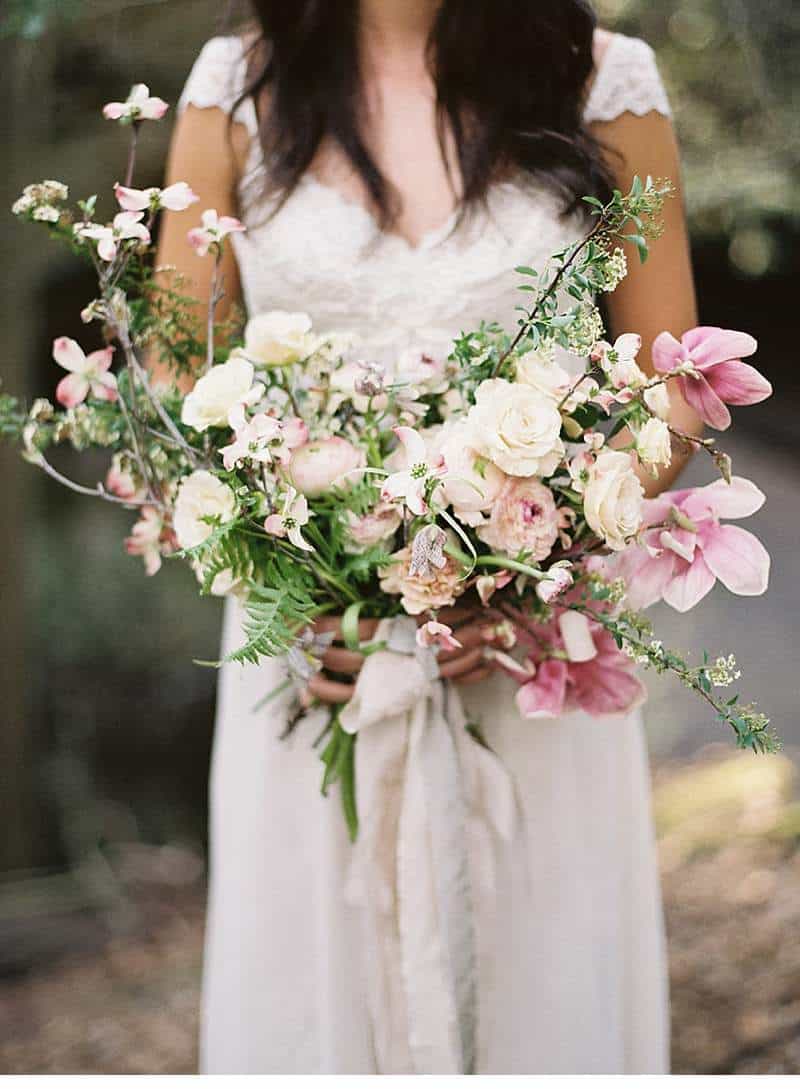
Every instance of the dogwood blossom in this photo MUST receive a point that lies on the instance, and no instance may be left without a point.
(214, 229)
(88, 373)
(140, 105)
(291, 520)
(175, 198)
(124, 226)
(435, 634)
(411, 484)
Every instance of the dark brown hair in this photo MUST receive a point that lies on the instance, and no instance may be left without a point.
(510, 81)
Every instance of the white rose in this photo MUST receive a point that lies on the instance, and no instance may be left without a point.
(517, 428)
(657, 400)
(653, 443)
(319, 465)
(472, 482)
(201, 495)
(612, 498)
(215, 394)
(542, 373)
(278, 338)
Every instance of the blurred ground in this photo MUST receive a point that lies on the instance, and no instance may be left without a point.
(729, 833)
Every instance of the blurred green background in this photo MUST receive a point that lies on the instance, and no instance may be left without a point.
(106, 723)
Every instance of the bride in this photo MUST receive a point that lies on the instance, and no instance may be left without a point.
(393, 161)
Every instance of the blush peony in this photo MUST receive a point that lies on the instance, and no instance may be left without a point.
(523, 519)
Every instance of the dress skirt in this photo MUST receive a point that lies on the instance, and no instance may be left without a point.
(570, 957)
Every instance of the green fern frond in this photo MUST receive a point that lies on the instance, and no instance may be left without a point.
(273, 619)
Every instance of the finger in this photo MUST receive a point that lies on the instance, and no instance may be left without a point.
(475, 676)
(460, 614)
(366, 628)
(463, 664)
(339, 660)
(330, 691)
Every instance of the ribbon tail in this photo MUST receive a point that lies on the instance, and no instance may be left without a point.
(435, 912)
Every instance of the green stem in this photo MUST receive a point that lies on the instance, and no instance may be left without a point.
(501, 562)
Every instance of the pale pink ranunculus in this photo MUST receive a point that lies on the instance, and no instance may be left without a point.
(214, 230)
(435, 634)
(322, 464)
(523, 519)
(679, 565)
(718, 376)
(418, 593)
(140, 105)
(88, 373)
(367, 530)
(146, 539)
(175, 198)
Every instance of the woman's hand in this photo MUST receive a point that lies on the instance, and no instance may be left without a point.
(465, 665)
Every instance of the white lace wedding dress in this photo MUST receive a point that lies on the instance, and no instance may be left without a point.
(569, 967)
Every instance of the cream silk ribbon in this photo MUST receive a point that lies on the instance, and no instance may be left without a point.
(421, 783)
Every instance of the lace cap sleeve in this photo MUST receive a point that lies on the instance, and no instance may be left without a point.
(218, 78)
(627, 81)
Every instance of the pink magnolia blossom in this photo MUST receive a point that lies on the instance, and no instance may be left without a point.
(410, 484)
(146, 539)
(214, 229)
(290, 521)
(718, 376)
(88, 373)
(140, 105)
(175, 198)
(434, 634)
(680, 564)
(603, 684)
(125, 225)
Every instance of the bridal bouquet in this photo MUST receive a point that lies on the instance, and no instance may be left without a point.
(308, 478)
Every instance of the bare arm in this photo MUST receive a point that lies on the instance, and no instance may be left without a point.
(660, 294)
(206, 155)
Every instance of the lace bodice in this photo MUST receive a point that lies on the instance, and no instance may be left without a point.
(325, 254)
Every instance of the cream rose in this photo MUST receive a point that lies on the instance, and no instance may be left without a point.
(524, 519)
(278, 338)
(653, 443)
(200, 496)
(317, 466)
(472, 482)
(216, 393)
(542, 373)
(612, 498)
(517, 428)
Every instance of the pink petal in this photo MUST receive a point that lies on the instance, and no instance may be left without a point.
(154, 109)
(647, 585)
(101, 360)
(69, 355)
(709, 344)
(199, 240)
(107, 247)
(71, 390)
(627, 345)
(699, 394)
(667, 352)
(739, 499)
(738, 383)
(690, 585)
(112, 111)
(413, 443)
(132, 200)
(177, 197)
(104, 387)
(738, 559)
(600, 688)
(543, 697)
(274, 525)
(680, 541)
